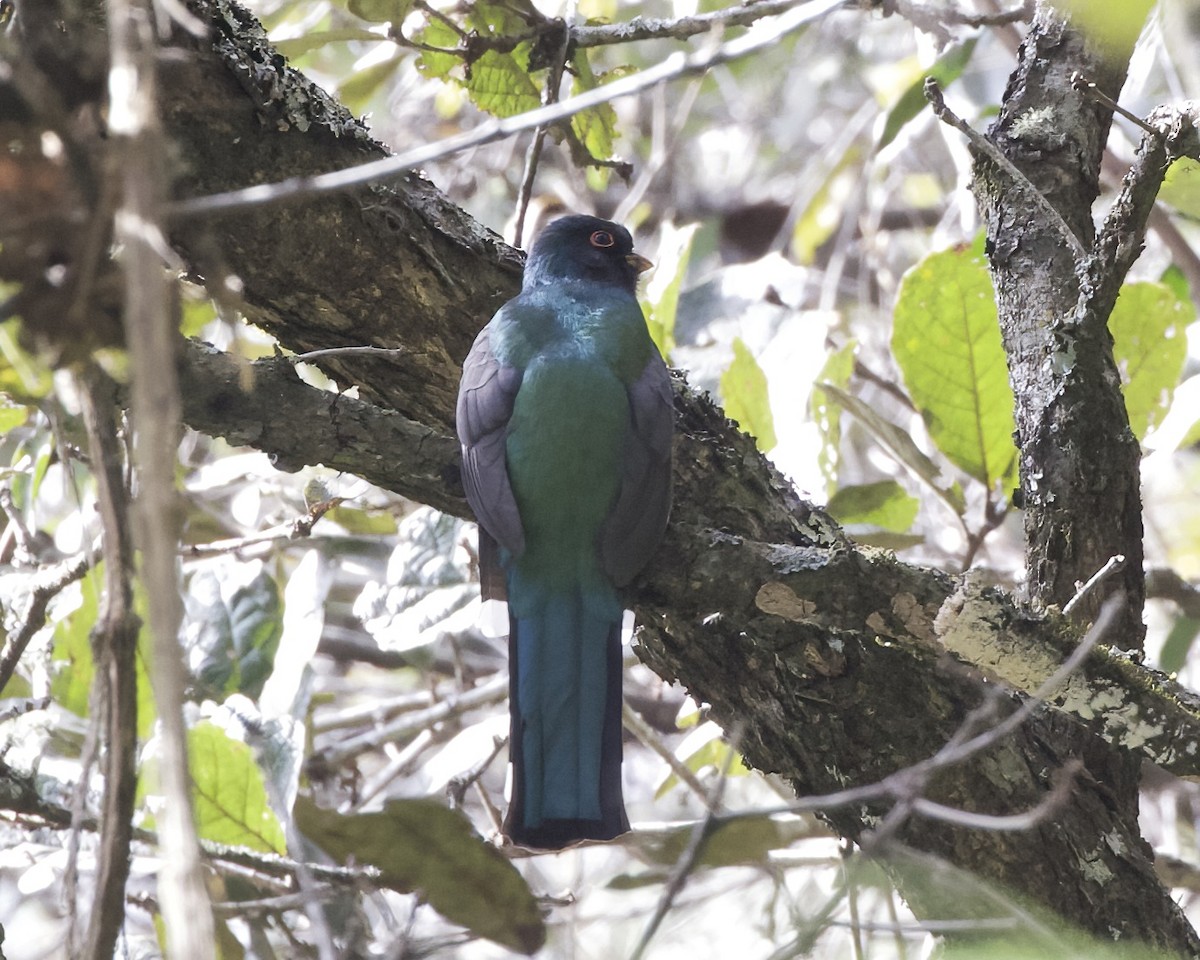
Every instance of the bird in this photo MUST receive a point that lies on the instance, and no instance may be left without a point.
(566, 421)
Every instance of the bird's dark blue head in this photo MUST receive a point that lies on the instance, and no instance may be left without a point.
(585, 248)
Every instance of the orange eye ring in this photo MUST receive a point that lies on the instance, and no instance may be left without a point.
(602, 239)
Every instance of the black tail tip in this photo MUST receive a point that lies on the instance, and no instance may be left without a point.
(559, 834)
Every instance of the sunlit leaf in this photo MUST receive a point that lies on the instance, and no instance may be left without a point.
(230, 799)
(662, 292)
(946, 341)
(885, 504)
(380, 11)
(307, 42)
(22, 376)
(72, 666)
(1112, 25)
(744, 395)
(826, 412)
(703, 747)
(1181, 188)
(948, 68)
(421, 845)
(1148, 325)
(358, 88)
(899, 444)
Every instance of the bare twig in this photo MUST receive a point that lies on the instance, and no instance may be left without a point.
(647, 737)
(550, 95)
(691, 853)
(47, 584)
(673, 67)
(1112, 565)
(1164, 584)
(295, 529)
(493, 691)
(365, 351)
(114, 649)
(136, 135)
(1083, 85)
(933, 93)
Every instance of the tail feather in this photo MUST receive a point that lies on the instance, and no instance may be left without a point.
(565, 726)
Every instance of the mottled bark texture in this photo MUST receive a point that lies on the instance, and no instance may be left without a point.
(827, 655)
(1079, 459)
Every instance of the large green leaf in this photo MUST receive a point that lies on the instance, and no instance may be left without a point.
(946, 340)
(421, 845)
(1149, 328)
(228, 792)
(744, 394)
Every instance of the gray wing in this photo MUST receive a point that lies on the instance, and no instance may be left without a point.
(485, 404)
(639, 517)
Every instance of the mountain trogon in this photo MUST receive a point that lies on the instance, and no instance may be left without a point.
(566, 420)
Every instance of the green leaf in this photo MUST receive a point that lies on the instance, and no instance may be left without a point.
(899, 444)
(662, 292)
(71, 664)
(744, 392)
(228, 791)
(596, 127)
(1178, 645)
(826, 412)
(239, 639)
(703, 747)
(306, 43)
(1115, 26)
(1181, 187)
(421, 845)
(1149, 328)
(361, 85)
(22, 376)
(433, 63)
(948, 68)
(946, 340)
(11, 414)
(885, 504)
(744, 840)
(380, 11)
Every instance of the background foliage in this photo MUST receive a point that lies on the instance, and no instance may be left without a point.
(818, 269)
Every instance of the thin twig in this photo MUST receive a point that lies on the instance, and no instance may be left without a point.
(691, 853)
(673, 67)
(1088, 88)
(295, 529)
(933, 93)
(1112, 565)
(648, 738)
(364, 351)
(47, 584)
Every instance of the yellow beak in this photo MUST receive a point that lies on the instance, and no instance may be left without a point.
(638, 262)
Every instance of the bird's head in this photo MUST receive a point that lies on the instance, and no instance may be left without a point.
(585, 248)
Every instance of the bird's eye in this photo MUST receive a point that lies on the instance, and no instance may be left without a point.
(602, 239)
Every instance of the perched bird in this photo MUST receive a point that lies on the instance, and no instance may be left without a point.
(566, 419)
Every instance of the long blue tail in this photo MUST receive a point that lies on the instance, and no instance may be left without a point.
(565, 726)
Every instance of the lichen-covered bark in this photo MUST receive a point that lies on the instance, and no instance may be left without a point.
(826, 655)
(1079, 459)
